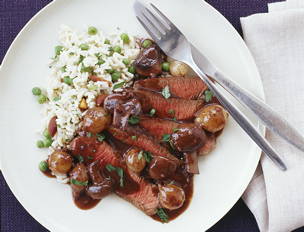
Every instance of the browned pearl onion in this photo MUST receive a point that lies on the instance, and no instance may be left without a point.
(171, 196)
(211, 118)
(96, 120)
(135, 160)
(60, 162)
(178, 68)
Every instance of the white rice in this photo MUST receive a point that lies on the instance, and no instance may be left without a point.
(67, 109)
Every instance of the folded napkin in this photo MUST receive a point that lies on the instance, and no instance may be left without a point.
(276, 40)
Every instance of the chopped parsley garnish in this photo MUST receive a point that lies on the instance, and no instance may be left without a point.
(171, 112)
(133, 120)
(81, 58)
(110, 167)
(208, 95)
(63, 69)
(162, 215)
(119, 172)
(175, 130)
(90, 157)
(152, 112)
(101, 137)
(166, 138)
(166, 92)
(80, 158)
(80, 183)
(133, 137)
(148, 157)
(140, 155)
(89, 134)
(119, 85)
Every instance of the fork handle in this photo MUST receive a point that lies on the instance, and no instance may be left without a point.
(271, 119)
(241, 119)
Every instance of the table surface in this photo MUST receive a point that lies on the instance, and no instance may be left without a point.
(13, 16)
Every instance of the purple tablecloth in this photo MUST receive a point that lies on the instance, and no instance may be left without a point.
(13, 15)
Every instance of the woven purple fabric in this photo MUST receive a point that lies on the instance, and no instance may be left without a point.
(13, 16)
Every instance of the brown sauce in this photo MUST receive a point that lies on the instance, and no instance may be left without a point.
(85, 202)
(173, 214)
(189, 192)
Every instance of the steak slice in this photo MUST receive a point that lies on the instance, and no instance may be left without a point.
(142, 141)
(180, 109)
(145, 199)
(136, 190)
(158, 127)
(208, 146)
(183, 87)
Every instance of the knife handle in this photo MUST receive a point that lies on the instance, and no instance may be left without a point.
(271, 119)
(241, 119)
(265, 113)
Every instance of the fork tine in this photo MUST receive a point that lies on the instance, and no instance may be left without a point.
(164, 18)
(151, 33)
(153, 26)
(163, 26)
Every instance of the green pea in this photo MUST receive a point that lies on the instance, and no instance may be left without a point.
(132, 70)
(107, 41)
(67, 80)
(111, 71)
(58, 50)
(36, 91)
(166, 66)
(92, 30)
(100, 61)
(87, 69)
(115, 76)
(84, 47)
(117, 49)
(43, 166)
(111, 51)
(57, 98)
(147, 43)
(125, 38)
(40, 144)
(46, 134)
(48, 142)
(126, 61)
(42, 99)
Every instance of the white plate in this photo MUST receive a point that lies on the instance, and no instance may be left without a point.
(224, 174)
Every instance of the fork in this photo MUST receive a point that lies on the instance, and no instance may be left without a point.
(175, 44)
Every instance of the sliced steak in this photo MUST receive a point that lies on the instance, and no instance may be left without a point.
(158, 127)
(145, 199)
(183, 87)
(180, 109)
(135, 189)
(208, 146)
(142, 141)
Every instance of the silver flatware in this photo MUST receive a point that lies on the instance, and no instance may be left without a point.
(174, 44)
(271, 119)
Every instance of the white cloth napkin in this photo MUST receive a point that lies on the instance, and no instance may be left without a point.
(276, 40)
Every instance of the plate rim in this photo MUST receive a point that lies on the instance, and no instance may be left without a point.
(48, 225)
